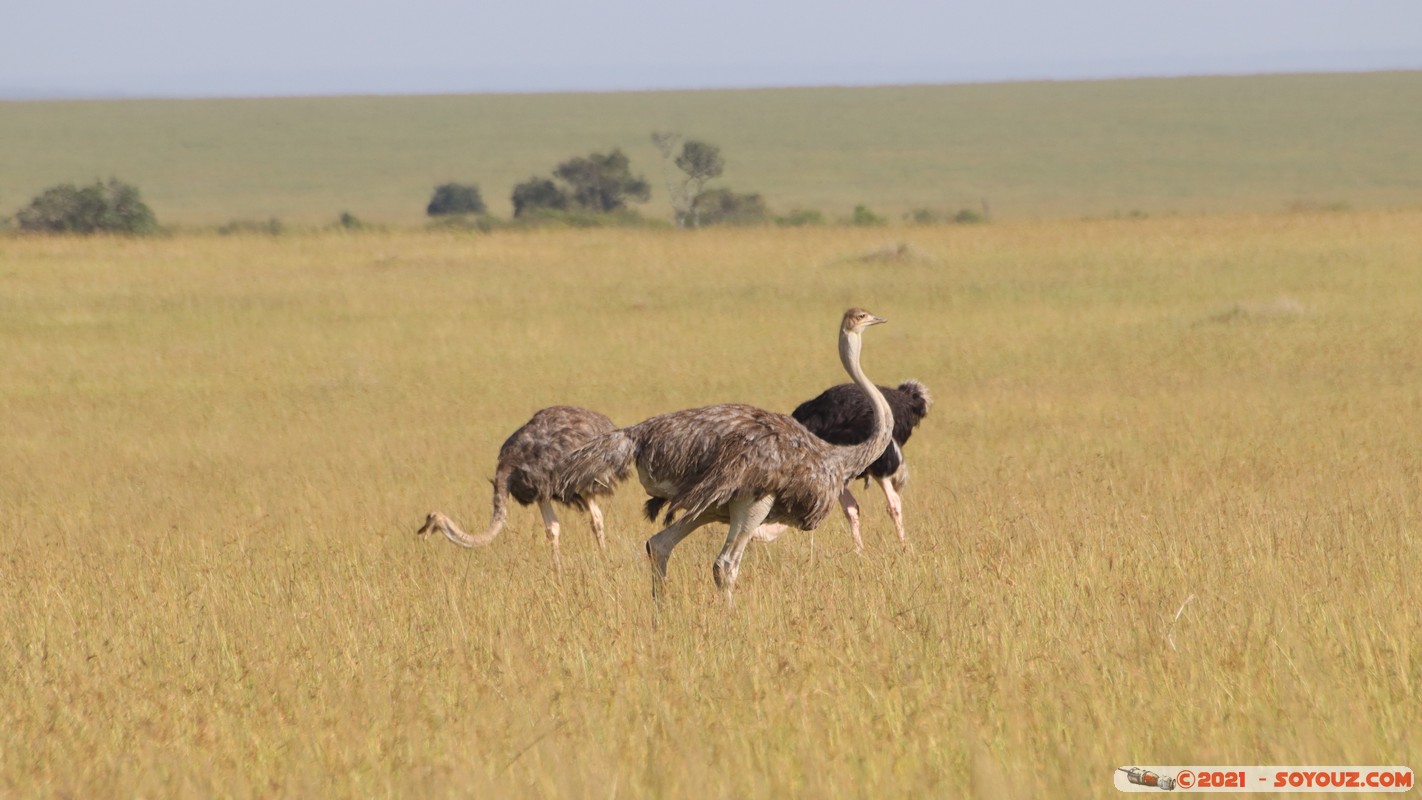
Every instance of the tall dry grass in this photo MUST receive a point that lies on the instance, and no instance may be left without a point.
(214, 452)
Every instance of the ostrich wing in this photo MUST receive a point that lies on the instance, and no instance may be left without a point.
(535, 453)
(702, 458)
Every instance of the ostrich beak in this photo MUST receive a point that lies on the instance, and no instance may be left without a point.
(875, 321)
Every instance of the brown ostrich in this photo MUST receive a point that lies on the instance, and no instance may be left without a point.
(737, 464)
(529, 469)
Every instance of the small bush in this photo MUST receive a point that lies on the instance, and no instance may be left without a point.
(725, 207)
(930, 216)
(584, 218)
(350, 222)
(537, 194)
(865, 218)
(476, 223)
(248, 227)
(113, 207)
(801, 217)
(455, 198)
(926, 216)
(602, 182)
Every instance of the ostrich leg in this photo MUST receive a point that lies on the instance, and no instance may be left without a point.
(550, 528)
(770, 532)
(851, 512)
(595, 514)
(660, 545)
(896, 507)
(746, 517)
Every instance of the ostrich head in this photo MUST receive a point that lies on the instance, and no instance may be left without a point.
(857, 319)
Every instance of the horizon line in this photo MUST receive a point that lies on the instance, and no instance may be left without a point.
(52, 94)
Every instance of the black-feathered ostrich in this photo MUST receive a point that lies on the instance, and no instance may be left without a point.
(842, 415)
(738, 464)
(529, 469)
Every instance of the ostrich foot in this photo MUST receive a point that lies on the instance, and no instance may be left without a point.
(724, 573)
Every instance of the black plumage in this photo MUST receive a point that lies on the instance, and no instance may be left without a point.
(841, 415)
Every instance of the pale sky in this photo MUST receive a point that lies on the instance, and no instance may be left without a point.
(69, 48)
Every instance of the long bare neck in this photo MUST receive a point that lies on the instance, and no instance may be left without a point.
(856, 458)
(457, 535)
(452, 532)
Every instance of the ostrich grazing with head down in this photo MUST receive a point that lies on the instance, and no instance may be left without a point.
(529, 467)
(842, 415)
(737, 464)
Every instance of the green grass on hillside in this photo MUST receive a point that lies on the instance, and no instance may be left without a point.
(1064, 149)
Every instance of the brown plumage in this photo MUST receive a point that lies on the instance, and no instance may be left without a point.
(718, 451)
(738, 464)
(530, 469)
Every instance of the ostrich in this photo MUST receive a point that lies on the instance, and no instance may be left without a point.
(842, 415)
(737, 464)
(528, 466)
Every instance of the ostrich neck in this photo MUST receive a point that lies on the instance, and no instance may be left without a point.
(857, 458)
(454, 533)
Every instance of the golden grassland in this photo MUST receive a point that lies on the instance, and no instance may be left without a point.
(214, 452)
(1046, 149)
